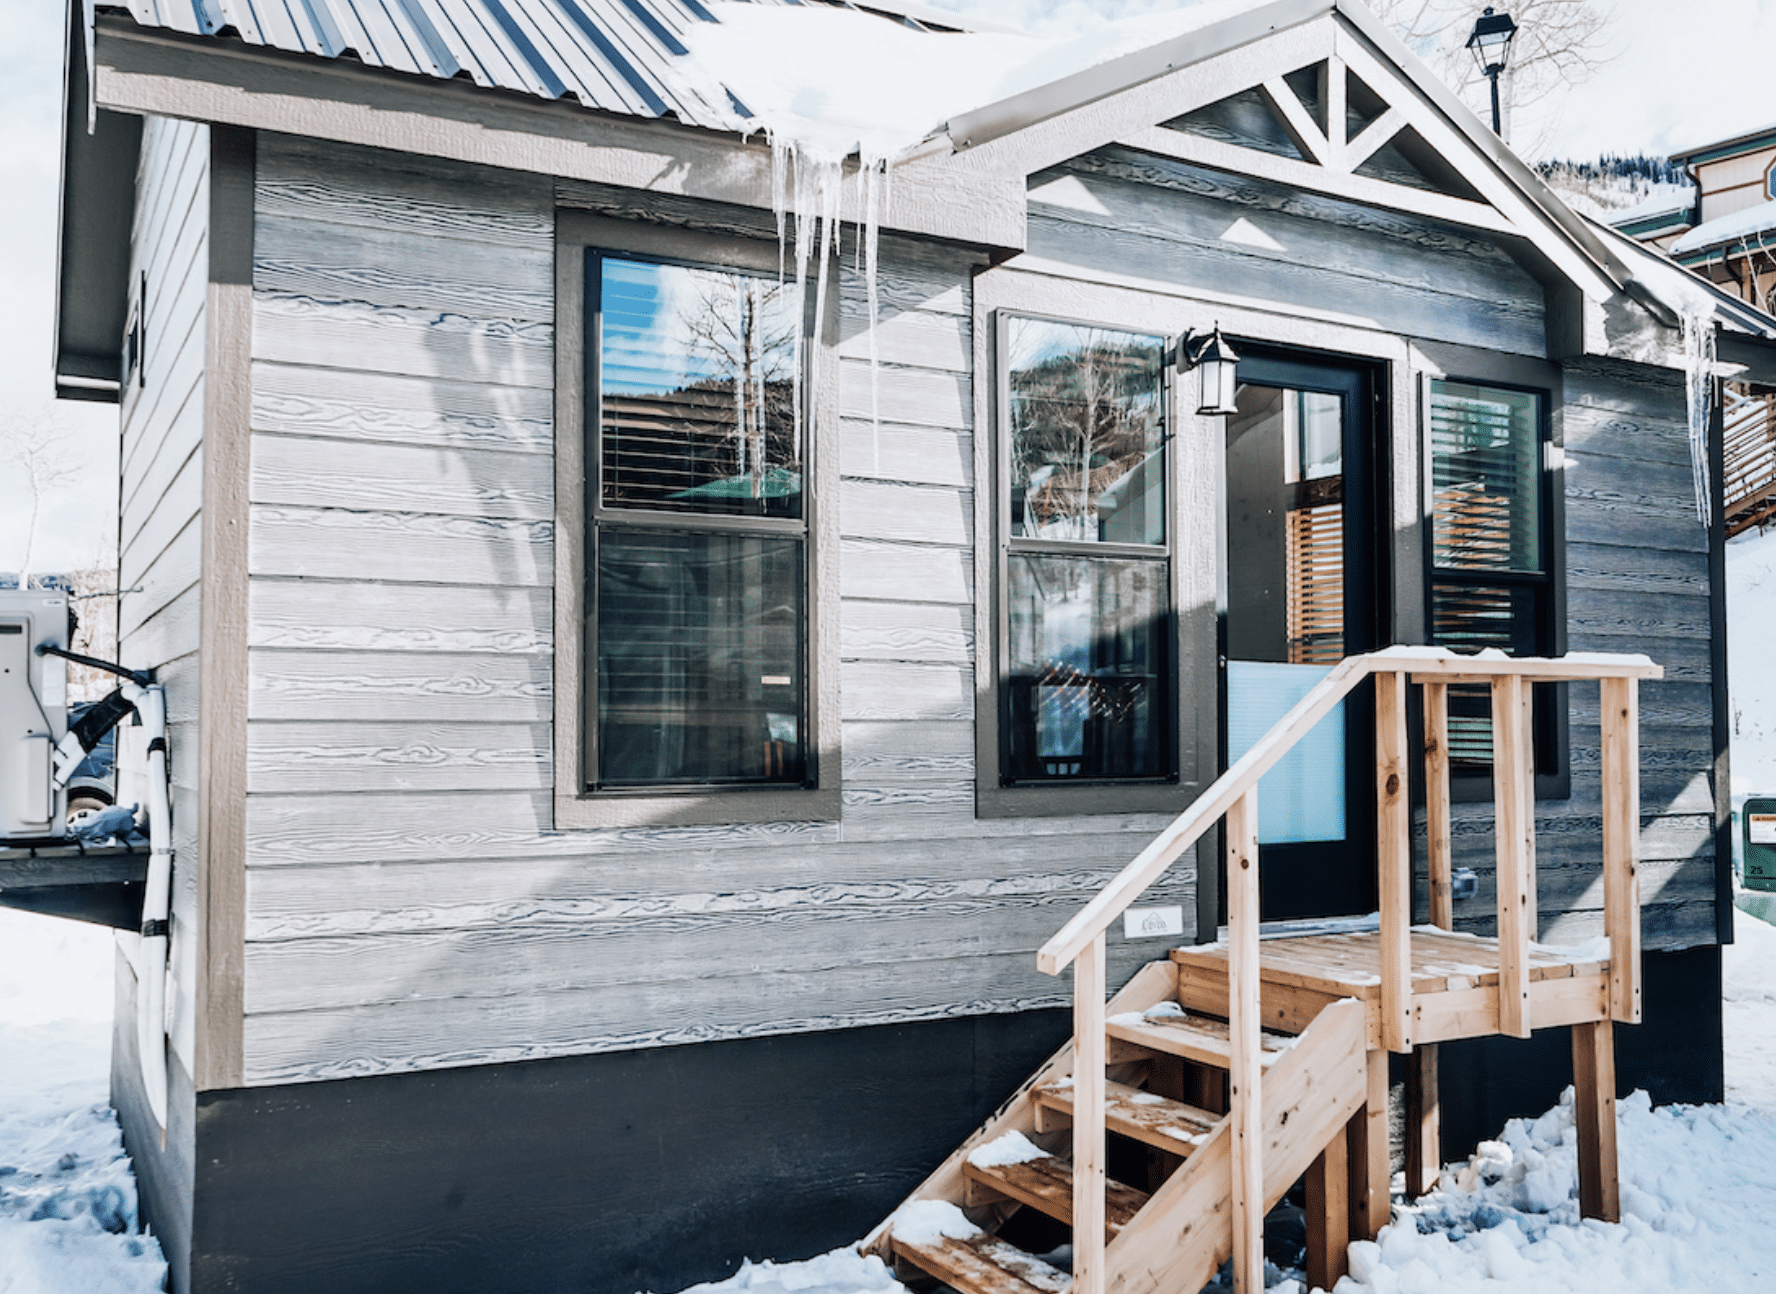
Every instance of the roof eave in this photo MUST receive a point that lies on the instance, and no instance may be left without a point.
(95, 204)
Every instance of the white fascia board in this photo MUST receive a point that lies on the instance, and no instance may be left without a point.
(227, 83)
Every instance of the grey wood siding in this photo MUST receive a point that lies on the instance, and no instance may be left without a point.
(409, 902)
(1636, 559)
(1637, 581)
(1128, 218)
(160, 494)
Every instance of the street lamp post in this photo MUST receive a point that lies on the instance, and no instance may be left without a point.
(1491, 43)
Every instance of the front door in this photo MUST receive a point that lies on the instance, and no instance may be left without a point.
(1298, 593)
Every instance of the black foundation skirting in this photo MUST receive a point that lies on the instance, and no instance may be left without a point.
(1675, 1054)
(644, 1170)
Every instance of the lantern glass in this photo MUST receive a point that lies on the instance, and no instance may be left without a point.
(1491, 41)
(1218, 386)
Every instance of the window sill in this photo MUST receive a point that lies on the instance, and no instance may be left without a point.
(696, 808)
(1057, 800)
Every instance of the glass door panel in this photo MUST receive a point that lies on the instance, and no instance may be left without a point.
(1296, 598)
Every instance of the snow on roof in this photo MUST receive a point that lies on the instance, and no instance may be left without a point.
(1662, 200)
(1740, 226)
(1685, 294)
(619, 56)
(838, 83)
(886, 73)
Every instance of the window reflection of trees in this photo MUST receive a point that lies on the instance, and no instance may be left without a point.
(1085, 417)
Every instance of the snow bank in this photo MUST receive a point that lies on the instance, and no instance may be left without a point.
(843, 1271)
(1748, 1014)
(68, 1217)
(1697, 1186)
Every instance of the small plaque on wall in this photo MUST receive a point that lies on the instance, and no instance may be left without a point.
(1152, 923)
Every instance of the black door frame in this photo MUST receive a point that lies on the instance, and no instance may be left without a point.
(1299, 880)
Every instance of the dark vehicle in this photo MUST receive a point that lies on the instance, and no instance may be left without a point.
(94, 784)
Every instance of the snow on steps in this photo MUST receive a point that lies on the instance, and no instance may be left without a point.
(937, 1237)
(1046, 1183)
(1194, 1037)
(1177, 1237)
(1147, 1117)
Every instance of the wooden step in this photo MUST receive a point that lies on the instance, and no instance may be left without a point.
(982, 1264)
(1157, 1121)
(1198, 1038)
(1047, 1184)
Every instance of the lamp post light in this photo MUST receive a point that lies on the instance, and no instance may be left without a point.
(1491, 43)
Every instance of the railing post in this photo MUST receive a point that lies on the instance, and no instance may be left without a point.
(1438, 866)
(1393, 860)
(1620, 701)
(1514, 829)
(1244, 1096)
(1089, 1055)
(1423, 1109)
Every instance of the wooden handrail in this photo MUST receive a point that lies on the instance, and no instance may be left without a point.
(1423, 663)
(1234, 795)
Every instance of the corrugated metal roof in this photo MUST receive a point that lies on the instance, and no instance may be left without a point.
(614, 55)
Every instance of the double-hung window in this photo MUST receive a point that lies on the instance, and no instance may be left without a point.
(1087, 691)
(1491, 538)
(691, 586)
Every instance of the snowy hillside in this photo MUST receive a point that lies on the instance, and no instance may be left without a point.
(1612, 187)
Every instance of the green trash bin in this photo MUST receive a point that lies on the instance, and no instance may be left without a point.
(1760, 844)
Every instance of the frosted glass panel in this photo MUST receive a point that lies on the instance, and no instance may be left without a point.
(1302, 798)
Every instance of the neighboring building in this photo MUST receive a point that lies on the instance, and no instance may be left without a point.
(1728, 236)
(622, 780)
(1734, 223)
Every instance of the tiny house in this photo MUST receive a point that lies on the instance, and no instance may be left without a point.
(637, 709)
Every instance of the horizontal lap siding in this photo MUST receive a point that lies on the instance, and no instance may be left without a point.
(1637, 581)
(161, 494)
(1187, 231)
(409, 902)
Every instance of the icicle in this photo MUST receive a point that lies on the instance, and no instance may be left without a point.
(780, 155)
(874, 173)
(1698, 336)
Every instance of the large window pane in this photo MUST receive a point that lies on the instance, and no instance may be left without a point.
(1486, 476)
(1086, 661)
(699, 659)
(1087, 433)
(1472, 618)
(1285, 501)
(697, 390)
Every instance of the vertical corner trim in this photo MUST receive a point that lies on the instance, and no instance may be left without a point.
(222, 663)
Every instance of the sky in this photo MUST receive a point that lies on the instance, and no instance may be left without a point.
(1678, 78)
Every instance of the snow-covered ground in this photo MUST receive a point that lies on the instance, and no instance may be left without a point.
(67, 1197)
(1698, 1183)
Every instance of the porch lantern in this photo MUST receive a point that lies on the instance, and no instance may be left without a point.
(1491, 43)
(1215, 363)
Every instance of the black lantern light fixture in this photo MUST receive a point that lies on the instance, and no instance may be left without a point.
(1215, 363)
(1491, 43)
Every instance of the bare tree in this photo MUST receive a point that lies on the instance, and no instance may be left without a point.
(35, 447)
(1558, 42)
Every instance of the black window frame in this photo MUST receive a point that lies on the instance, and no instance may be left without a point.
(583, 241)
(997, 793)
(1550, 726)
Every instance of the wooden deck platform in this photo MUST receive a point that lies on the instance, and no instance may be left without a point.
(1455, 981)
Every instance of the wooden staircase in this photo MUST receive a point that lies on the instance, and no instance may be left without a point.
(1215, 1115)
(1169, 1232)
